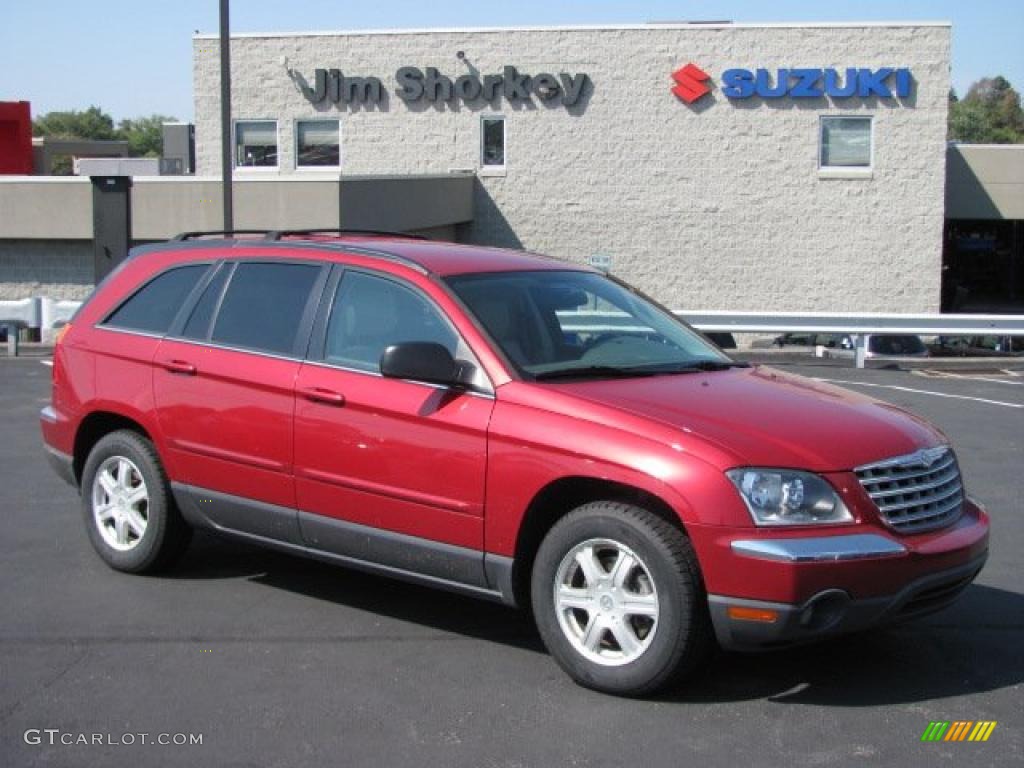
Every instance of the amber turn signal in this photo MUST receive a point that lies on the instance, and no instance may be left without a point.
(743, 613)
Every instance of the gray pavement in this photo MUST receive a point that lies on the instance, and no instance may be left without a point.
(283, 662)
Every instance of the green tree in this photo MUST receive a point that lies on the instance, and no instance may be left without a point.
(144, 135)
(990, 113)
(92, 123)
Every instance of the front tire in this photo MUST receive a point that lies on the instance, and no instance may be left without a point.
(130, 515)
(619, 600)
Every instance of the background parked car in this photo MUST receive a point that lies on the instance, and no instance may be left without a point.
(842, 345)
(829, 340)
(723, 340)
(886, 345)
(977, 346)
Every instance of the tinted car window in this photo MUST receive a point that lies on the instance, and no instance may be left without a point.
(263, 306)
(371, 313)
(153, 307)
(198, 325)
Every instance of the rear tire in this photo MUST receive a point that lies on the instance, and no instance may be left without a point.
(130, 514)
(619, 600)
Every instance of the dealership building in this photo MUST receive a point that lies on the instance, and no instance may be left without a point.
(717, 166)
(814, 181)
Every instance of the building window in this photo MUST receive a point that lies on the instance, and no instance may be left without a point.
(256, 144)
(318, 144)
(845, 142)
(492, 141)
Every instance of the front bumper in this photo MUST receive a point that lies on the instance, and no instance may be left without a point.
(834, 611)
(772, 590)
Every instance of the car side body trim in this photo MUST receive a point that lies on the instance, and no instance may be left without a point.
(226, 513)
(374, 550)
(397, 550)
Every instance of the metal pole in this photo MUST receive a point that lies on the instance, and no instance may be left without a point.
(12, 341)
(860, 347)
(225, 113)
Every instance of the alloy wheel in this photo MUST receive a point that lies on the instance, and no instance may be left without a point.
(606, 601)
(120, 503)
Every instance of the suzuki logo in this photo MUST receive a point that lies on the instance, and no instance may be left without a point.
(690, 83)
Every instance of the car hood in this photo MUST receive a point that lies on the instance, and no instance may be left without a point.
(764, 417)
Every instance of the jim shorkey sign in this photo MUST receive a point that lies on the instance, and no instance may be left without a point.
(413, 84)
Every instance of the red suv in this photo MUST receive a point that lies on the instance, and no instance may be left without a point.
(504, 425)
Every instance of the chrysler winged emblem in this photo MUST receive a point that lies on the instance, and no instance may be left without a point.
(928, 456)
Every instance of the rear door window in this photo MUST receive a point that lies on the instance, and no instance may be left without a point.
(264, 306)
(152, 308)
(198, 325)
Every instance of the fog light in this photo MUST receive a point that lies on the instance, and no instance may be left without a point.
(743, 613)
(825, 610)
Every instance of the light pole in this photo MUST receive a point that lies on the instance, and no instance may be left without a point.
(225, 113)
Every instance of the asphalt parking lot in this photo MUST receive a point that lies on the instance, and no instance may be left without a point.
(283, 662)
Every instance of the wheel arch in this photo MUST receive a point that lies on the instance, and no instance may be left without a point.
(93, 428)
(557, 499)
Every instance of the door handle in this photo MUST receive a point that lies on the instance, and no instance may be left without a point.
(179, 366)
(321, 395)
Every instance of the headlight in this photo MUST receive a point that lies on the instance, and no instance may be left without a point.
(788, 497)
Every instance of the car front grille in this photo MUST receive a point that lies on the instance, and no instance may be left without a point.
(918, 492)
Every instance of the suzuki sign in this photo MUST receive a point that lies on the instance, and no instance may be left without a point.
(799, 83)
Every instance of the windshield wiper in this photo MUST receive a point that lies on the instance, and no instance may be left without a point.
(594, 371)
(707, 365)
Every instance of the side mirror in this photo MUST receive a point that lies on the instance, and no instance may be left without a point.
(423, 361)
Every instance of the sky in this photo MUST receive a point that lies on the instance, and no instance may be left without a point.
(133, 57)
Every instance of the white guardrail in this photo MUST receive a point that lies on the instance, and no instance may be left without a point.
(55, 313)
(48, 314)
(39, 313)
(811, 322)
(855, 323)
(23, 313)
(858, 325)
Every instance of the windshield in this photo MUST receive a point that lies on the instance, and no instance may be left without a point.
(576, 324)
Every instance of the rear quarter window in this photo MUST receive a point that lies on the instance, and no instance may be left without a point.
(153, 307)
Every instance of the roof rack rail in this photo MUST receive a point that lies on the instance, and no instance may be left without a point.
(273, 236)
(278, 234)
(225, 232)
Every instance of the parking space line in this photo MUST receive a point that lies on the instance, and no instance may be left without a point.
(948, 375)
(922, 392)
(47, 363)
